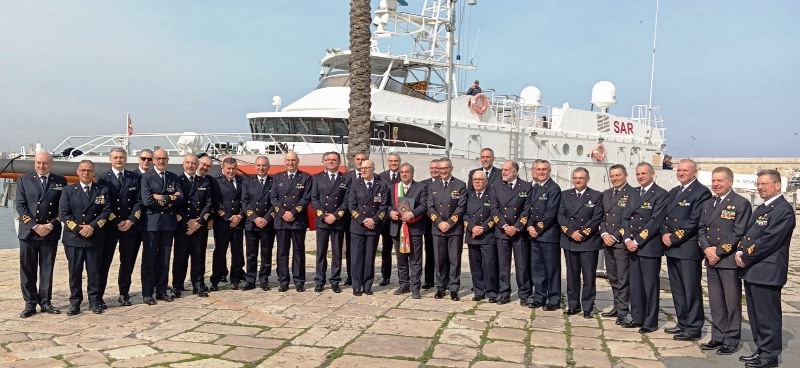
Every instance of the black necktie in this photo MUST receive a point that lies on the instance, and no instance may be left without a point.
(393, 176)
(333, 178)
(487, 174)
(262, 182)
(369, 185)
(682, 188)
(291, 177)
(510, 185)
(716, 201)
(234, 183)
(191, 179)
(119, 177)
(44, 182)
(641, 191)
(86, 189)
(161, 175)
(445, 183)
(616, 191)
(579, 194)
(480, 194)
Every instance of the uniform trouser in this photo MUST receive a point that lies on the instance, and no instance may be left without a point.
(581, 279)
(77, 257)
(617, 269)
(645, 283)
(347, 242)
(294, 240)
(387, 243)
(197, 254)
(37, 256)
(519, 247)
(363, 252)
(105, 255)
(409, 265)
(429, 259)
(483, 266)
(155, 261)
(219, 264)
(186, 246)
(334, 239)
(545, 271)
(128, 251)
(448, 249)
(766, 318)
(687, 293)
(725, 302)
(258, 241)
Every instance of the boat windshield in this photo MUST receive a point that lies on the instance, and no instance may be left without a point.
(318, 130)
(416, 89)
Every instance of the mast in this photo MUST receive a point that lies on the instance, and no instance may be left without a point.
(652, 69)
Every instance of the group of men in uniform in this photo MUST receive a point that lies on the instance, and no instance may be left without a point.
(496, 213)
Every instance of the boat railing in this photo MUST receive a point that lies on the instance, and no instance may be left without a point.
(648, 115)
(511, 109)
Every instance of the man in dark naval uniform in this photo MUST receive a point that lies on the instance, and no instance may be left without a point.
(329, 200)
(722, 225)
(641, 225)
(684, 257)
(579, 216)
(428, 259)
(391, 177)
(407, 211)
(229, 227)
(353, 176)
(39, 230)
(545, 253)
(192, 216)
(763, 256)
(259, 231)
(510, 206)
(84, 208)
(160, 192)
(479, 224)
(368, 201)
(616, 255)
(126, 210)
(291, 195)
(487, 166)
(447, 201)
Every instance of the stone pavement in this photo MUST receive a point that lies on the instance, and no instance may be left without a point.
(255, 328)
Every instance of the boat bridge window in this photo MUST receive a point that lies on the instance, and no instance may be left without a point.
(343, 80)
(393, 85)
(297, 129)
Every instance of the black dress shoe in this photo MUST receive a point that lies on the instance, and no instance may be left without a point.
(439, 294)
(96, 309)
(492, 300)
(611, 313)
(426, 286)
(631, 324)
(214, 287)
(384, 282)
(265, 287)
(356, 292)
(620, 321)
(149, 300)
(124, 300)
(415, 295)
(300, 288)
(249, 286)
(164, 297)
(202, 293)
(401, 291)
(588, 315)
(319, 288)
(727, 350)
(176, 293)
(368, 292)
(748, 358)
(27, 312)
(572, 312)
(102, 303)
(224, 279)
(673, 330)
(535, 305)
(348, 282)
(235, 285)
(49, 308)
(762, 363)
(336, 288)
(550, 307)
(645, 330)
(477, 298)
(711, 345)
(683, 336)
(73, 310)
(283, 289)
(502, 301)
(454, 296)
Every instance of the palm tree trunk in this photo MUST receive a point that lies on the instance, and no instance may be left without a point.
(358, 128)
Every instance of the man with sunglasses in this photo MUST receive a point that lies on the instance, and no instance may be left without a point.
(145, 161)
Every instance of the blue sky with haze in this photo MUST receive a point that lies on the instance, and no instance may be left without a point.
(726, 71)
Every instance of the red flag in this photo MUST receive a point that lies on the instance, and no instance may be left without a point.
(130, 126)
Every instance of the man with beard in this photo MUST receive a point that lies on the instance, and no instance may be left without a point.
(192, 218)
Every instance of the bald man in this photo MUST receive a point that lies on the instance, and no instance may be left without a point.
(291, 195)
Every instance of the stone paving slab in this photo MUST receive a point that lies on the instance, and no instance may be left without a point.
(234, 328)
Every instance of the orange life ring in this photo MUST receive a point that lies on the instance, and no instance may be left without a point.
(599, 152)
(479, 103)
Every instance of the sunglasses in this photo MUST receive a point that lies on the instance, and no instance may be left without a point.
(146, 159)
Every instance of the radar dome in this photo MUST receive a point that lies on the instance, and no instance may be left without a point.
(604, 95)
(531, 95)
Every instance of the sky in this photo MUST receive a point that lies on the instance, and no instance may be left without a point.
(726, 71)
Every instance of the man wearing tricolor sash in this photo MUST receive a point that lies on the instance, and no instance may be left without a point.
(406, 228)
